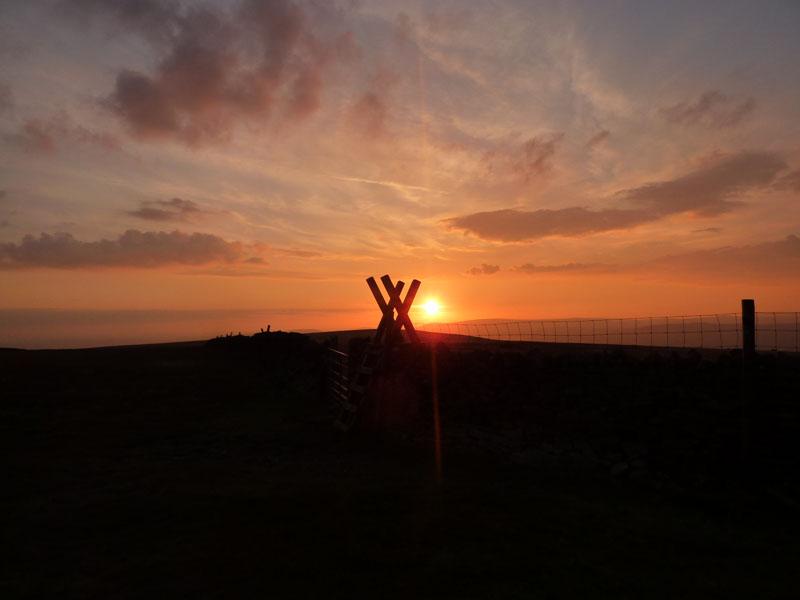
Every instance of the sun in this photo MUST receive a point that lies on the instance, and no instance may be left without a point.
(431, 307)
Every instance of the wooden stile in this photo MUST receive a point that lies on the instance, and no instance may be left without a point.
(389, 330)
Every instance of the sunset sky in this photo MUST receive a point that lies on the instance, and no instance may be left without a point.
(175, 170)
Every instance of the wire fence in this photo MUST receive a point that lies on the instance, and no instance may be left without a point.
(338, 376)
(774, 331)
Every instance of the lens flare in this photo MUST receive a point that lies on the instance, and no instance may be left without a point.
(431, 307)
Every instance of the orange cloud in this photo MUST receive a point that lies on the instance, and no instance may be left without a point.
(131, 249)
(778, 260)
(770, 261)
(790, 181)
(566, 268)
(713, 109)
(484, 269)
(368, 114)
(510, 225)
(527, 161)
(707, 191)
(175, 209)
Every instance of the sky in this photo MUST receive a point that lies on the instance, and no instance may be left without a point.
(178, 170)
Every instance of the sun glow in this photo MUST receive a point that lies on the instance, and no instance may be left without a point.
(431, 307)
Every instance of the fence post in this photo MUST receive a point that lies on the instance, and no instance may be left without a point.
(748, 358)
(748, 331)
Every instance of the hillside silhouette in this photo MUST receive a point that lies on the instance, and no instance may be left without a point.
(213, 469)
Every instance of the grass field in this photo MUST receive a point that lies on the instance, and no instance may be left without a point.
(195, 471)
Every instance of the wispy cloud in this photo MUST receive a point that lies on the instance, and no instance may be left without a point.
(766, 261)
(233, 271)
(36, 138)
(294, 252)
(777, 260)
(43, 137)
(530, 268)
(175, 209)
(387, 183)
(712, 109)
(369, 114)
(790, 181)
(707, 191)
(598, 138)
(527, 161)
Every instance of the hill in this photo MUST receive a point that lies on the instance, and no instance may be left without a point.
(210, 470)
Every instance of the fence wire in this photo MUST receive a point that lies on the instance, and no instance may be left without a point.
(774, 331)
(338, 378)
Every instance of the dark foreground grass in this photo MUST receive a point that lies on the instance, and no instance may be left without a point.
(188, 471)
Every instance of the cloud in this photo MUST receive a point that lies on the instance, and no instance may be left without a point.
(527, 161)
(598, 138)
(569, 267)
(790, 181)
(294, 252)
(43, 137)
(36, 138)
(763, 262)
(306, 89)
(511, 225)
(707, 191)
(219, 67)
(484, 269)
(175, 209)
(536, 155)
(228, 271)
(155, 19)
(768, 260)
(369, 114)
(712, 109)
(708, 230)
(131, 249)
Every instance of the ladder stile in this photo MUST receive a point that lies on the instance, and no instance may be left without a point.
(354, 394)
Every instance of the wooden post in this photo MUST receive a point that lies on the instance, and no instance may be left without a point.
(748, 360)
(748, 330)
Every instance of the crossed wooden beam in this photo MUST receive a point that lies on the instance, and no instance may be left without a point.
(389, 325)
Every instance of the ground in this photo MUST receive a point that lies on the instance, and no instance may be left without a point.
(211, 471)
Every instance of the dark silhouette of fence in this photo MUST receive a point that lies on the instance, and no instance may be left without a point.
(773, 331)
(338, 376)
